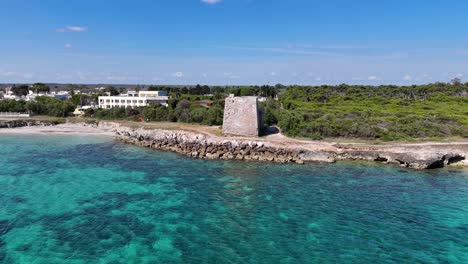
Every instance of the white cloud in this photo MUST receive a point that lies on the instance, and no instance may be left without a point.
(178, 74)
(59, 76)
(8, 74)
(67, 45)
(211, 2)
(372, 78)
(117, 78)
(230, 75)
(72, 29)
(283, 51)
(318, 79)
(272, 73)
(12, 74)
(407, 77)
(27, 75)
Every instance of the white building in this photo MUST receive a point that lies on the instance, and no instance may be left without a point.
(9, 94)
(133, 99)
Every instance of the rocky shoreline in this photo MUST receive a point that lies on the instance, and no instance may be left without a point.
(198, 145)
(208, 146)
(25, 123)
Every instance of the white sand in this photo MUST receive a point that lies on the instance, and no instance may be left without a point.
(67, 128)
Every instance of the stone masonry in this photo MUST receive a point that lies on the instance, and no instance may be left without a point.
(242, 116)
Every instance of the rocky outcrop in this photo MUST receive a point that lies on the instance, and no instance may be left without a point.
(415, 156)
(197, 145)
(24, 123)
(209, 147)
(279, 150)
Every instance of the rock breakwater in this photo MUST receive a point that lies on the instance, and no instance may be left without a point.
(210, 147)
(25, 123)
(198, 145)
(203, 145)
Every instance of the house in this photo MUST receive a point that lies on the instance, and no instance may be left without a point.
(9, 94)
(134, 99)
(204, 103)
(80, 111)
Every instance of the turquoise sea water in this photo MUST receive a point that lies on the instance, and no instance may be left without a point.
(71, 199)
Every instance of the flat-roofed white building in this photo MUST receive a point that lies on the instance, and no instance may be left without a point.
(133, 99)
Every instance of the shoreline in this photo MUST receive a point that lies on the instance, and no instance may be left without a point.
(60, 129)
(278, 149)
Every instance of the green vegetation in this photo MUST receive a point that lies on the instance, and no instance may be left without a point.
(178, 111)
(367, 112)
(20, 90)
(42, 106)
(384, 112)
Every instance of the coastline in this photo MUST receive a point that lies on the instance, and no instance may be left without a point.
(277, 148)
(60, 129)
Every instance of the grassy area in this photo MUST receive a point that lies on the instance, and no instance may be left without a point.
(371, 114)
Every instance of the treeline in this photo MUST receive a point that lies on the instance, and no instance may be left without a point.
(414, 92)
(264, 90)
(383, 112)
(41, 106)
(343, 111)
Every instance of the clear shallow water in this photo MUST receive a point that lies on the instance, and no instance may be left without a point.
(68, 199)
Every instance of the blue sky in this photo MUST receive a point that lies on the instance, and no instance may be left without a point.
(233, 41)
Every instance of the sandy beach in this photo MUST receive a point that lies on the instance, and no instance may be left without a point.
(67, 128)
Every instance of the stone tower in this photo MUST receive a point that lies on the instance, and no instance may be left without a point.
(242, 117)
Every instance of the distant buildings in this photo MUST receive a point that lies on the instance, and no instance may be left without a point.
(31, 96)
(9, 94)
(133, 99)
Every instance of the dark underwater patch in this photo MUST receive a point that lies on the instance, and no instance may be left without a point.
(5, 227)
(96, 229)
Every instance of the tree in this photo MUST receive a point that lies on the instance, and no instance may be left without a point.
(20, 90)
(247, 91)
(155, 113)
(198, 114)
(214, 116)
(81, 99)
(184, 104)
(456, 81)
(112, 91)
(40, 87)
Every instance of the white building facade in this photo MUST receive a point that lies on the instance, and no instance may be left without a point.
(133, 99)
